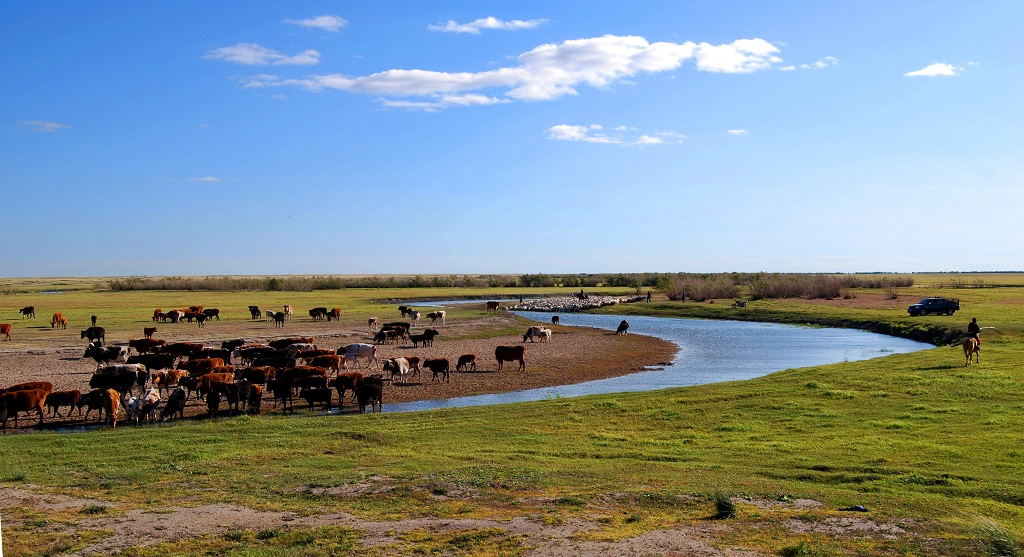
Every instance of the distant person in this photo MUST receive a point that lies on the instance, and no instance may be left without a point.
(974, 330)
(648, 295)
(93, 320)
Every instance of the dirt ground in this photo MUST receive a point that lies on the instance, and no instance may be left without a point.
(573, 355)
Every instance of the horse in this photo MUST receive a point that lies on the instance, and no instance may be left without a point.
(971, 346)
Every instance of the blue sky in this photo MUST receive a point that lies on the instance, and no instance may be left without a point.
(199, 138)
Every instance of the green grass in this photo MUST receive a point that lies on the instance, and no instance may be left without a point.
(916, 438)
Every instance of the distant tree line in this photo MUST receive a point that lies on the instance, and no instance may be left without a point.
(695, 286)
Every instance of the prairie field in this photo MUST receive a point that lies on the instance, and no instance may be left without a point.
(909, 454)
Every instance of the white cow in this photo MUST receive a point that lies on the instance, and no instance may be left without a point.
(372, 322)
(359, 350)
(540, 332)
(435, 315)
(397, 366)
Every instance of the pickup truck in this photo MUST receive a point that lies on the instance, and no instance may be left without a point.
(934, 306)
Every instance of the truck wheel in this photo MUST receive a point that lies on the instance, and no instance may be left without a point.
(949, 312)
(924, 312)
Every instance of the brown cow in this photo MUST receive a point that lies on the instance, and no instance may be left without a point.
(57, 399)
(511, 354)
(466, 362)
(5, 329)
(492, 306)
(30, 386)
(258, 375)
(55, 320)
(438, 366)
(332, 361)
(157, 314)
(346, 381)
(144, 345)
(12, 402)
(207, 381)
(255, 399)
(112, 404)
(148, 331)
(200, 366)
(334, 314)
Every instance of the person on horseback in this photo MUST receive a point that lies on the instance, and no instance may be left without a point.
(974, 330)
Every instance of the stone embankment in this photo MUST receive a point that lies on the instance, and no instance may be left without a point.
(573, 303)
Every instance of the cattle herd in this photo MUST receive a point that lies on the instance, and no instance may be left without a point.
(158, 381)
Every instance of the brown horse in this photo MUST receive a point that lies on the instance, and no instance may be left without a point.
(971, 346)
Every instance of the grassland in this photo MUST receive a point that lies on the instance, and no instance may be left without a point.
(932, 449)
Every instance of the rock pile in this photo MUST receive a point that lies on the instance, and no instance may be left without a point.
(572, 303)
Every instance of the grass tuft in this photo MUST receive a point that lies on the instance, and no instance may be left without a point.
(724, 506)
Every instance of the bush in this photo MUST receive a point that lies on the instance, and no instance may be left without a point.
(724, 507)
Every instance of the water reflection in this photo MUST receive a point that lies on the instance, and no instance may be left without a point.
(711, 351)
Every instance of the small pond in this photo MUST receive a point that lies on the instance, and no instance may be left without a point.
(711, 351)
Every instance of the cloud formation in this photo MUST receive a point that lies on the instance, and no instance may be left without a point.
(595, 133)
(474, 27)
(205, 179)
(737, 132)
(936, 69)
(44, 127)
(329, 23)
(253, 54)
(817, 65)
(549, 71)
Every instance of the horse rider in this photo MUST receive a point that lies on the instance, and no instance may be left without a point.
(974, 330)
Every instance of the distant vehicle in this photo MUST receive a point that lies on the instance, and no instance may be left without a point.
(934, 306)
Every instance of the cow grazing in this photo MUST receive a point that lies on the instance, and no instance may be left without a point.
(318, 314)
(368, 393)
(95, 334)
(539, 332)
(145, 345)
(255, 312)
(439, 368)
(467, 362)
(175, 316)
(28, 311)
(396, 366)
(175, 405)
(511, 354)
(92, 400)
(57, 399)
(435, 315)
(212, 313)
(13, 402)
(334, 314)
(112, 405)
(55, 320)
(492, 307)
(321, 395)
(255, 399)
(372, 323)
(104, 354)
(623, 327)
(359, 350)
(5, 329)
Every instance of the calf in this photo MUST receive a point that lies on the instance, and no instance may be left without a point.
(212, 403)
(55, 320)
(430, 334)
(57, 399)
(307, 355)
(157, 314)
(438, 366)
(112, 405)
(175, 405)
(150, 404)
(320, 394)
(149, 331)
(467, 362)
(92, 400)
(334, 314)
(371, 323)
(414, 365)
(255, 399)
(255, 312)
(282, 390)
(236, 394)
(131, 404)
(623, 327)
(5, 329)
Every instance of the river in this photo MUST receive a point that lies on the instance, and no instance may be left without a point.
(710, 351)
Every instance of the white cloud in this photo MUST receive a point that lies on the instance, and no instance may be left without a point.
(594, 134)
(552, 70)
(737, 132)
(205, 179)
(330, 23)
(444, 101)
(474, 27)
(255, 55)
(45, 127)
(936, 69)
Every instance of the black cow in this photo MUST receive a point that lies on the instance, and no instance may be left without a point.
(211, 313)
(278, 363)
(235, 393)
(255, 312)
(154, 361)
(28, 311)
(94, 334)
(121, 381)
(368, 393)
(106, 354)
(212, 353)
(233, 344)
(430, 334)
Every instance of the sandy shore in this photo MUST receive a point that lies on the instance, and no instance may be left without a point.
(574, 355)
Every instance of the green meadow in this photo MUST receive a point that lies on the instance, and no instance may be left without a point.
(928, 446)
